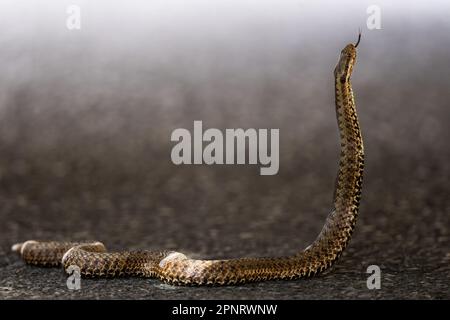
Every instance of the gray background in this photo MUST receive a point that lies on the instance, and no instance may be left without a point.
(86, 118)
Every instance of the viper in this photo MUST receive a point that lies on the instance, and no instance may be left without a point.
(176, 268)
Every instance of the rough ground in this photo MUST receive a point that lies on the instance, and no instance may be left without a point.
(85, 153)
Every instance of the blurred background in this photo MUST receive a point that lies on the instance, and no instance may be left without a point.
(86, 117)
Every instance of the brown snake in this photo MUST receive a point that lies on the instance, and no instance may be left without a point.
(176, 268)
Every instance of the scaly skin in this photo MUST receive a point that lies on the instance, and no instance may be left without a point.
(175, 268)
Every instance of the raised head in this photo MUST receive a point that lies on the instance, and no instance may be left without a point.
(347, 59)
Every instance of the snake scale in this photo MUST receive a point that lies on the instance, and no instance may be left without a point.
(175, 268)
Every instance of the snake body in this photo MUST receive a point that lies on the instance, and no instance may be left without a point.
(175, 268)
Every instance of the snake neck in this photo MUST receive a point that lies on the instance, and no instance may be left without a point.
(348, 187)
(340, 223)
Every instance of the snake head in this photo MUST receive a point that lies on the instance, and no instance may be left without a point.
(347, 59)
(349, 51)
(344, 66)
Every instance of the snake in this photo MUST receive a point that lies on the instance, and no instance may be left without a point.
(175, 268)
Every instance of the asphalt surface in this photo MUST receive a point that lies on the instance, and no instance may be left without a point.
(85, 154)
